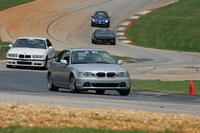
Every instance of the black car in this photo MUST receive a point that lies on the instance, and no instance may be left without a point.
(101, 19)
(103, 36)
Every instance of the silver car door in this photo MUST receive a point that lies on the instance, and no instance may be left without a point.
(63, 71)
(54, 67)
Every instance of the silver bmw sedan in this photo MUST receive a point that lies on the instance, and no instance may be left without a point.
(82, 69)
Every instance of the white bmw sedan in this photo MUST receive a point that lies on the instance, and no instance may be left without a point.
(30, 52)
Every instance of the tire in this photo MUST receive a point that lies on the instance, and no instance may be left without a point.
(108, 25)
(92, 25)
(124, 92)
(45, 67)
(114, 43)
(92, 41)
(72, 85)
(50, 84)
(100, 91)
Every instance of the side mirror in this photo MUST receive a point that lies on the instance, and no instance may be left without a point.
(63, 62)
(10, 45)
(50, 47)
(120, 62)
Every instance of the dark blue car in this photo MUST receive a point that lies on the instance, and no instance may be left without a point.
(100, 19)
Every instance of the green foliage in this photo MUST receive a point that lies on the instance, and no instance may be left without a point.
(17, 129)
(125, 58)
(5, 43)
(174, 27)
(181, 87)
(4, 4)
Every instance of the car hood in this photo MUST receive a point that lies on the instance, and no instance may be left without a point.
(98, 68)
(27, 51)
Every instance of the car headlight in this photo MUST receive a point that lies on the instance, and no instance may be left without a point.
(93, 20)
(12, 55)
(86, 74)
(122, 74)
(38, 56)
(106, 20)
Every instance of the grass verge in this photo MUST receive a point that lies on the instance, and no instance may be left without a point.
(5, 43)
(65, 130)
(179, 87)
(5, 4)
(45, 118)
(174, 27)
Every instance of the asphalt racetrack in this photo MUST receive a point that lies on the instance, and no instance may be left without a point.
(67, 24)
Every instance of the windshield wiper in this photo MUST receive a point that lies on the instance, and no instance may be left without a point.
(80, 62)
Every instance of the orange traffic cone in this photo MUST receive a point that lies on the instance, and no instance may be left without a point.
(192, 91)
(133, 40)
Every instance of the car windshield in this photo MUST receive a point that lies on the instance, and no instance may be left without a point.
(104, 32)
(30, 43)
(101, 15)
(91, 56)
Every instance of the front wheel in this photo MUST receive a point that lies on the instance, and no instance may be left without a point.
(45, 67)
(108, 25)
(124, 92)
(92, 25)
(50, 83)
(113, 43)
(72, 85)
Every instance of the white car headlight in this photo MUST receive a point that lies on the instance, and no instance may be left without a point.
(12, 55)
(122, 74)
(38, 56)
(93, 20)
(106, 20)
(86, 74)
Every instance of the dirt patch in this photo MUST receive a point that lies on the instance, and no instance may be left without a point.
(33, 115)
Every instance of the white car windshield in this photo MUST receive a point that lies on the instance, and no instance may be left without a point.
(30, 43)
(91, 56)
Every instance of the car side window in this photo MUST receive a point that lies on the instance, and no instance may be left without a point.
(48, 43)
(66, 56)
(59, 56)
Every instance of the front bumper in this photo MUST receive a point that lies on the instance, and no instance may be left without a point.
(100, 24)
(105, 41)
(103, 83)
(25, 62)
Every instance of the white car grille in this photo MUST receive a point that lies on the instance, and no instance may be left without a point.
(24, 56)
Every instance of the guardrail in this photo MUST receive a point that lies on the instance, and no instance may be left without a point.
(3, 51)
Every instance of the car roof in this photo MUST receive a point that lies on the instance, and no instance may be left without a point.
(26, 37)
